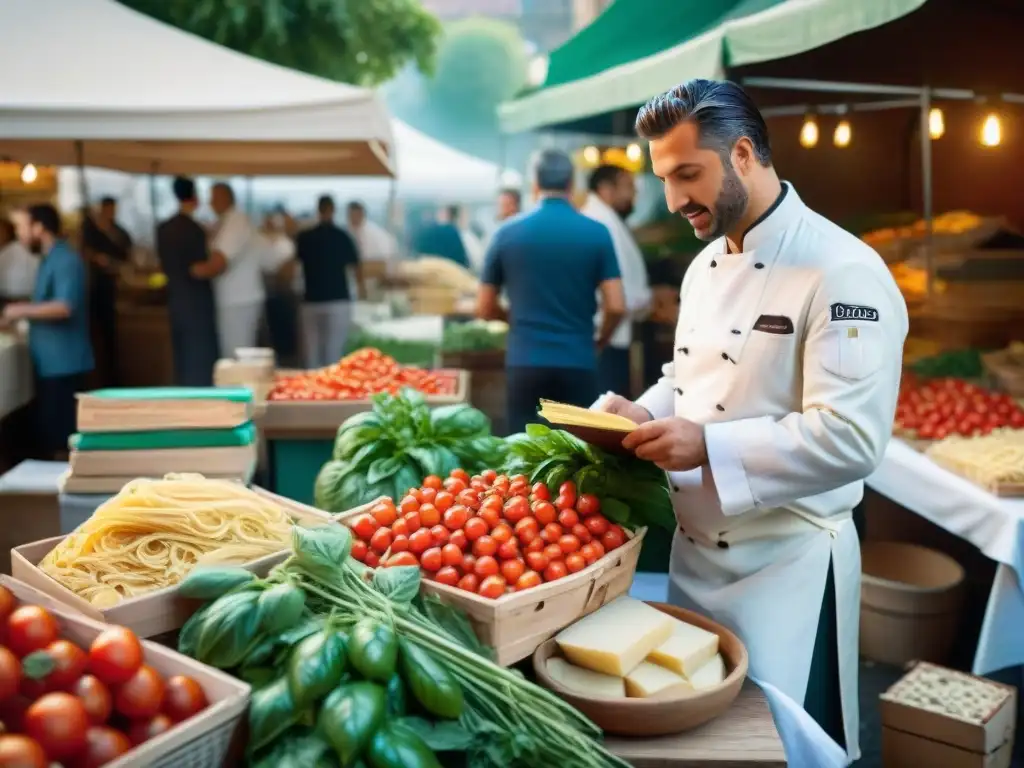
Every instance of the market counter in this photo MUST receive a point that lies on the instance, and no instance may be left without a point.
(744, 737)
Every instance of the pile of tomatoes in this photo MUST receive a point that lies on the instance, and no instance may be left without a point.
(937, 408)
(81, 708)
(488, 534)
(358, 376)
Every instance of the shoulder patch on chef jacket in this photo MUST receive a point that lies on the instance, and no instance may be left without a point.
(774, 324)
(853, 312)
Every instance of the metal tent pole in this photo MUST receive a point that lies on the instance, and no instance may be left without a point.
(926, 188)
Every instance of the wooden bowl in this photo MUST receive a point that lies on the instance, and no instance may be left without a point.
(657, 717)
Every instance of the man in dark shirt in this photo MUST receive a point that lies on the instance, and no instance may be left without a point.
(107, 247)
(181, 244)
(327, 254)
(552, 263)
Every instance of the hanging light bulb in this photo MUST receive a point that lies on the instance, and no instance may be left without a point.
(991, 131)
(29, 173)
(843, 134)
(591, 155)
(809, 133)
(634, 153)
(936, 123)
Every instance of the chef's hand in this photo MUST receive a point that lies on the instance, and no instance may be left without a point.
(619, 405)
(674, 444)
(14, 311)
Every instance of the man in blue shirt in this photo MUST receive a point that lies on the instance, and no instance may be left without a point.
(552, 263)
(442, 238)
(58, 329)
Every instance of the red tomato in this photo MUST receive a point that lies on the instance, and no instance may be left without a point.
(567, 518)
(417, 494)
(10, 674)
(502, 533)
(443, 501)
(7, 603)
(492, 586)
(545, 512)
(399, 544)
(470, 582)
(565, 502)
(468, 498)
(381, 540)
(575, 562)
(596, 524)
(400, 528)
(459, 474)
(69, 663)
(428, 495)
(553, 552)
(581, 532)
(451, 555)
(144, 730)
(537, 561)
(569, 544)
(516, 509)
(528, 580)
(30, 628)
(57, 721)
(458, 538)
(540, 492)
(384, 512)
(184, 697)
(613, 538)
(509, 550)
(486, 566)
(359, 548)
(537, 545)
(408, 504)
(432, 481)
(455, 485)
(475, 528)
(103, 745)
(491, 516)
(372, 560)
(412, 520)
(95, 697)
(439, 535)
(488, 476)
(429, 515)
(115, 655)
(552, 533)
(447, 575)
(364, 526)
(21, 752)
(468, 563)
(431, 560)
(456, 517)
(588, 504)
(511, 570)
(420, 541)
(556, 570)
(401, 558)
(141, 695)
(485, 545)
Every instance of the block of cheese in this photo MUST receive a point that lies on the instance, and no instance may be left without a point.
(648, 680)
(687, 650)
(616, 637)
(710, 675)
(585, 682)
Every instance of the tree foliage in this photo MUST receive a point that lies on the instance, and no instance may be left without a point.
(363, 42)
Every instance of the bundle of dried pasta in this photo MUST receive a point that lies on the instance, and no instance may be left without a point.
(991, 461)
(153, 532)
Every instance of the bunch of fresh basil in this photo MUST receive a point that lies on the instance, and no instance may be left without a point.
(391, 448)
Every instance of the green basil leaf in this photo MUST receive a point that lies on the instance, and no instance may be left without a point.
(364, 419)
(433, 686)
(373, 649)
(409, 476)
(428, 457)
(188, 636)
(441, 736)
(348, 443)
(280, 607)
(271, 713)
(537, 430)
(400, 584)
(455, 624)
(229, 629)
(257, 677)
(323, 549)
(540, 471)
(413, 397)
(350, 716)
(382, 469)
(300, 631)
(370, 452)
(210, 582)
(298, 748)
(315, 667)
(615, 510)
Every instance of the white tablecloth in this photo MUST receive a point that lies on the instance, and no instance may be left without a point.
(15, 374)
(994, 525)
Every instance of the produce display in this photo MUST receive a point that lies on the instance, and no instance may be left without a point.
(84, 707)
(489, 534)
(152, 533)
(949, 223)
(913, 281)
(627, 649)
(937, 408)
(991, 461)
(412, 352)
(437, 272)
(957, 364)
(351, 666)
(392, 447)
(474, 336)
(358, 376)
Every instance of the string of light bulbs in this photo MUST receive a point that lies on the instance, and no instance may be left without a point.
(990, 132)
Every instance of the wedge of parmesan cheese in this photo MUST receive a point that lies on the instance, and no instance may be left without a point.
(616, 637)
(711, 674)
(687, 650)
(649, 680)
(585, 682)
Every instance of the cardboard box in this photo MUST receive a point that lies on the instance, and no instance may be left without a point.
(934, 716)
(153, 613)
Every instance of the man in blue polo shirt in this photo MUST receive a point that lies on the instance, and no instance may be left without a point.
(58, 329)
(552, 263)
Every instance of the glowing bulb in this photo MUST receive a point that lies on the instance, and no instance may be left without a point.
(592, 155)
(843, 134)
(29, 173)
(634, 153)
(991, 131)
(809, 133)
(936, 123)
(537, 71)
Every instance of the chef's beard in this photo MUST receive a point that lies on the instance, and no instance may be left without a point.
(729, 207)
(625, 211)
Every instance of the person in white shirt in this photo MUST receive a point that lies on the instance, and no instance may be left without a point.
(235, 265)
(373, 241)
(610, 201)
(17, 265)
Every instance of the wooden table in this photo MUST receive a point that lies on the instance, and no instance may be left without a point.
(744, 737)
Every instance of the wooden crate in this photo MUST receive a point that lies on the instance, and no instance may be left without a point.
(488, 389)
(516, 624)
(153, 613)
(203, 741)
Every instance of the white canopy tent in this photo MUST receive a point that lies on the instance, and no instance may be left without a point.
(91, 82)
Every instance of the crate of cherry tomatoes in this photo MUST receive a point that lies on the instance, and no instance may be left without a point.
(934, 409)
(81, 694)
(523, 563)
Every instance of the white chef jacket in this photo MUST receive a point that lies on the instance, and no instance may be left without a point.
(635, 285)
(242, 282)
(374, 242)
(790, 354)
(18, 269)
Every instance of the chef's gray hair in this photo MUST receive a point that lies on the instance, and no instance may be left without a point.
(722, 111)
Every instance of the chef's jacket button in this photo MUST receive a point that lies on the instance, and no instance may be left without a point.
(714, 263)
(679, 391)
(759, 265)
(736, 331)
(675, 489)
(723, 544)
(691, 539)
(725, 355)
(685, 350)
(720, 407)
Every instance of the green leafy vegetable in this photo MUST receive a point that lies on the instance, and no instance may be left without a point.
(229, 629)
(434, 688)
(400, 584)
(445, 736)
(323, 548)
(271, 713)
(281, 607)
(396, 746)
(315, 667)
(209, 583)
(350, 716)
(298, 748)
(373, 650)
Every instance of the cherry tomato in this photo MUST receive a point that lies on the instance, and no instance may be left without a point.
(537, 545)
(588, 504)
(553, 551)
(384, 512)
(439, 535)
(420, 541)
(359, 548)
(364, 526)
(416, 494)
(468, 563)
(381, 540)
(115, 655)
(537, 561)
(511, 570)
(470, 582)
(596, 524)
(447, 575)
(540, 492)
(486, 566)
(581, 532)
(432, 481)
(567, 518)
(502, 532)
(460, 474)
(95, 697)
(516, 509)
(492, 586)
(509, 550)
(21, 752)
(485, 545)
(475, 527)
(10, 674)
(569, 544)
(456, 517)
(556, 570)
(431, 560)
(69, 663)
(429, 515)
(103, 745)
(372, 559)
(412, 520)
(458, 538)
(399, 544)
(30, 628)
(575, 562)
(488, 476)
(552, 533)
(400, 527)
(7, 603)
(545, 512)
(144, 730)
(455, 485)
(589, 553)
(141, 695)
(613, 538)
(528, 580)
(427, 495)
(527, 530)
(468, 498)
(443, 501)
(183, 698)
(57, 721)
(402, 558)
(565, 502)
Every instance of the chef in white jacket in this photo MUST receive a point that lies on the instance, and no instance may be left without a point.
(778, 403)
(610, 201)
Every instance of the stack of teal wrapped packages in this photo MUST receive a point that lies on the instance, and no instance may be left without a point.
(124, 434)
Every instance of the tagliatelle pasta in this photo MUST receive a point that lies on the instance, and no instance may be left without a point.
(997, 458)
(152, 533)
